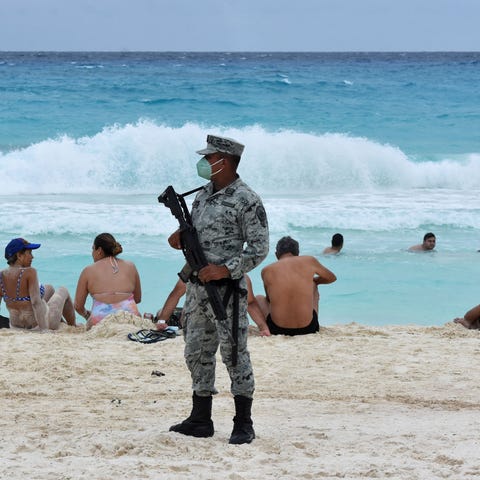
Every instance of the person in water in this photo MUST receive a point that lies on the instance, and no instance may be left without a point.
(428, 244)
(113, 284)
(30, 304)
(337, 245)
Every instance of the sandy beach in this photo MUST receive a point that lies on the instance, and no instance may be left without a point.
(350, 402)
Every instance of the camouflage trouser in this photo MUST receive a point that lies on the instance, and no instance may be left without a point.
(203, 334)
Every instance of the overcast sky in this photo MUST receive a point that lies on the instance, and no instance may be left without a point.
(240, 25)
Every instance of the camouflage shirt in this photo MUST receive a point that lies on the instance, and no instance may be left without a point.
(232, 227)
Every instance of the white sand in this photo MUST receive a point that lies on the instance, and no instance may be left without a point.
(351, 402)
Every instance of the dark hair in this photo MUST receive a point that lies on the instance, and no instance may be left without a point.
(337, 240)
(428, 235)
(108, 244)
(11, 260)
(287, 245)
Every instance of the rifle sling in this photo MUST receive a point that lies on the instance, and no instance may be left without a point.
(233, 287)
(191, 191)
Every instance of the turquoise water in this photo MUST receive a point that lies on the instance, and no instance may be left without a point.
(380, 147)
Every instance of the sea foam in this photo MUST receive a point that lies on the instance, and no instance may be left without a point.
(138, 158)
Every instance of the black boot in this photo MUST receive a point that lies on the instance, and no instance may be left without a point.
(199, 423)
(242, 422)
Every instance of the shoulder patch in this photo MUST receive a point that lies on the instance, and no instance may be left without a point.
(261, 215)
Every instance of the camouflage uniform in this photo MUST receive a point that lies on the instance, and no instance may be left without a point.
(225, 220)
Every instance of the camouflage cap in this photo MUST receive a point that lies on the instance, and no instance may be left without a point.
(222, 144)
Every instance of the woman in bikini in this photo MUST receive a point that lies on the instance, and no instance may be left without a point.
(30, 304)
(113, 284)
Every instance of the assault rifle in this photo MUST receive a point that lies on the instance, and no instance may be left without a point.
(192, 250)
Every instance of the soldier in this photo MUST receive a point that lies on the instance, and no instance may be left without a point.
(233, 232)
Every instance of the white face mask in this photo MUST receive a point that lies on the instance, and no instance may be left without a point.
(204, 169)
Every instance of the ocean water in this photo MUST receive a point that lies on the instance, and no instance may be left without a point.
(380, 147)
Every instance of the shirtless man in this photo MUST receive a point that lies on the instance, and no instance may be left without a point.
(337, 245)
(427, 245)
(291, 301)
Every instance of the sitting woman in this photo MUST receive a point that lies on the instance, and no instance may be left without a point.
(30, 304)
(114, 284)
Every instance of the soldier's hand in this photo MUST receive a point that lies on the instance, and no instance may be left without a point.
(213, 272)
(174, 240)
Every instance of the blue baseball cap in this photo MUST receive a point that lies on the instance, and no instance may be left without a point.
(18, 244)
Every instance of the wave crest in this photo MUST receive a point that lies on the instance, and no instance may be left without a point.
(144, 157)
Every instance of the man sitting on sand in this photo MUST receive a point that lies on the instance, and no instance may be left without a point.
(427, 245)
(291, 301)
(163, 316)
(337, 245)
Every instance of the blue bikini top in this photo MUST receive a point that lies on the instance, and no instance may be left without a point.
(7, 298)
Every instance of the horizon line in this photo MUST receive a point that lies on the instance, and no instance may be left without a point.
(239, 51)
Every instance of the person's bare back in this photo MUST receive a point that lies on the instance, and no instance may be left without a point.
(291, 287)
(290, 290)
